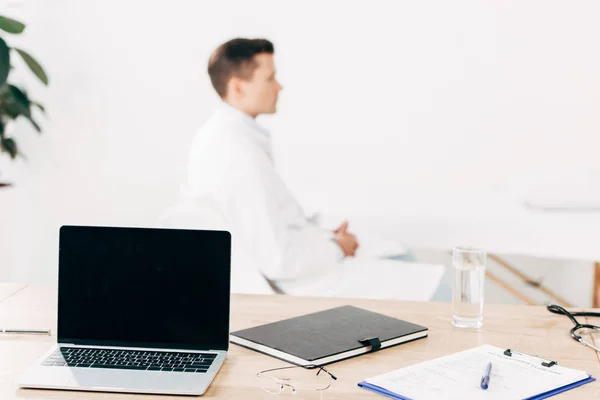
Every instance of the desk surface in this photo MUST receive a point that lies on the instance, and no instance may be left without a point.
(529, 329)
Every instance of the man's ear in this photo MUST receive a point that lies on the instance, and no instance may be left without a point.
(235, 87)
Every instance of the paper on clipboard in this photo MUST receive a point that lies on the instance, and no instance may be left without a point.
(457, 376)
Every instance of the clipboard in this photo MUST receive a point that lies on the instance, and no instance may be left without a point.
(457, 376)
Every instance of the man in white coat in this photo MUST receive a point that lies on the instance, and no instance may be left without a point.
(231, 162)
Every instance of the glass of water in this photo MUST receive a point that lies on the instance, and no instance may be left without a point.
(468, 265)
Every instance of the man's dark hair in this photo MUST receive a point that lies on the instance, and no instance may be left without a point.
(235, 58)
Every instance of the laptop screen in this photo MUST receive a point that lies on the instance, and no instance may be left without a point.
(143, 287)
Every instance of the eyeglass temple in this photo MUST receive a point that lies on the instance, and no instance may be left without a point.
(330, 374)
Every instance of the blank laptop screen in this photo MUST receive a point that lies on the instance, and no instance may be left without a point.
(142, 287)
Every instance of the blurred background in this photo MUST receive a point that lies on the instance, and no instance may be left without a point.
(446, 116)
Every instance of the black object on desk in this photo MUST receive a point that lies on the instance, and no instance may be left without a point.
(328, 336)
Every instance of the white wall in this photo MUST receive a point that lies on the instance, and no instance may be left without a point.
(381, 97)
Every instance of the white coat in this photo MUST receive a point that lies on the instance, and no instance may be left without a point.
(231, 163)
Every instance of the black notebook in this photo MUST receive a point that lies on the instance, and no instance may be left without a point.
(328, 336)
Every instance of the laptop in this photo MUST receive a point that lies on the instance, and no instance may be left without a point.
(140, 310)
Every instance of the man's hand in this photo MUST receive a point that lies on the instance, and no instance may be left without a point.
(346, 240)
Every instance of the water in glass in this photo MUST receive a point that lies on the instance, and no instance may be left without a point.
(468, 287)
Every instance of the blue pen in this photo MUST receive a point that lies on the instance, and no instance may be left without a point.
(485, 379)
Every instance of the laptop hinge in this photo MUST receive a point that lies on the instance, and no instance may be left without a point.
(134, 348)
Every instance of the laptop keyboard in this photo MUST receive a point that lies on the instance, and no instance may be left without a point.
(130, 359)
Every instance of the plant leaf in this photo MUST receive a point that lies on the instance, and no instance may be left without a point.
(11, 26)
(16, 102)
(20, 105)
(34, 66)
(9, 145)
(35, 125)
(10, 107)
(4, 61)
(38, 105)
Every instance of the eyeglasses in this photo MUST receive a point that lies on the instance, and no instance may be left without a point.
(299, 382)
(579, 329)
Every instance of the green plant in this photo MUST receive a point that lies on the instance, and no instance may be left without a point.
(15, 102)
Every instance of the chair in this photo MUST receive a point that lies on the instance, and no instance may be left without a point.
(204, 213)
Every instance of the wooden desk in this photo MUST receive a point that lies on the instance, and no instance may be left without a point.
(529, 329)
